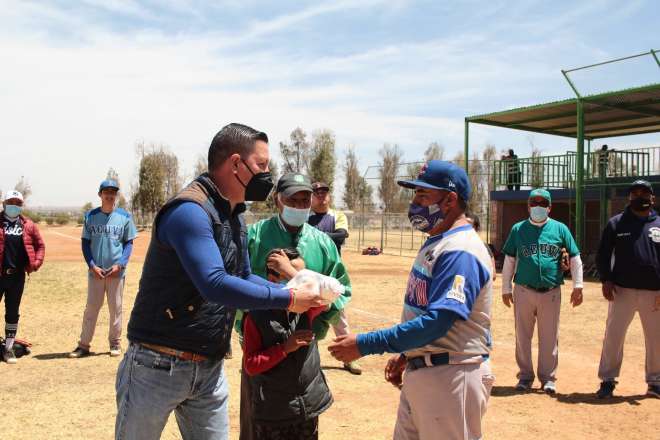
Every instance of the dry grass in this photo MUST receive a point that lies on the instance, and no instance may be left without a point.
(49, 396)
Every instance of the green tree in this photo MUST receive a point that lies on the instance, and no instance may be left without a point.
(388, 190)
(323, 161)
(158, 178)
(296, 154)
(357, 192)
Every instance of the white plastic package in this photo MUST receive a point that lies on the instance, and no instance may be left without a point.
(329, 288)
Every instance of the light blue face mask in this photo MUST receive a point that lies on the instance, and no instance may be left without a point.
(13, 211)
(538, 214)
(294, 217)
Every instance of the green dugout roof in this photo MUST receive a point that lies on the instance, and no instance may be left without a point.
(620, 113)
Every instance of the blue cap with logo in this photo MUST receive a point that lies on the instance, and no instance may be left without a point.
(439, 174)
(109, 183)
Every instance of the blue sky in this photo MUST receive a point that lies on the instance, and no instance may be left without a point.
(83, 81)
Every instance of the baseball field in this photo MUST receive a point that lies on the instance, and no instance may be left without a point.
(49, 396)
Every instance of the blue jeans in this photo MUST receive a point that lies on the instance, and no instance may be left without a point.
(151, 385)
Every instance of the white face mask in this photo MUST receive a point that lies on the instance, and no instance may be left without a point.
(294, 217)
(538, 214)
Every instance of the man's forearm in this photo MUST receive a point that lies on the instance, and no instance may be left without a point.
(507, 274)
(576, 272)
(408, 335)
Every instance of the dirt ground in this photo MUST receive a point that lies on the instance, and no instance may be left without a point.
(48, 396)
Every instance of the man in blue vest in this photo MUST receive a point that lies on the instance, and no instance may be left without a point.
(196, 273)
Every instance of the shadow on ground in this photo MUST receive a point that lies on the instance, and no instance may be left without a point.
(572, 398)
(51, 356)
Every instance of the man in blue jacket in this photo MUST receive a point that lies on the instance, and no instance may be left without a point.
(629, 265)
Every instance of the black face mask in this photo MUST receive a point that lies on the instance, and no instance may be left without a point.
(640, 203)
(259, 186)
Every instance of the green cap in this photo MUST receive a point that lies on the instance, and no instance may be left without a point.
(291, 183)
(540, 192)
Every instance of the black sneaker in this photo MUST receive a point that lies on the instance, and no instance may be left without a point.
(79, 352)
(606, 389)
(653, 391)
(9, 356)
(524, 385)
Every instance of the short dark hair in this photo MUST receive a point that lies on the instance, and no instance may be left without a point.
(231, 139)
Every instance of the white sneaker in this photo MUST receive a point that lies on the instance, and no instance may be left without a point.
(9, 356)
(115, 351)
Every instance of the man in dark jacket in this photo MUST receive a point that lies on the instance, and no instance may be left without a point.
(196, 273)
(21, 250)
(629, 266)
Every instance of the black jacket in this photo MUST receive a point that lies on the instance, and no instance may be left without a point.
(295, 389)
(635, 244)
(168, 308)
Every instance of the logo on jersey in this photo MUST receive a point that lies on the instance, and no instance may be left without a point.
(550, 250)
(457, 291)
(105, 230)
(654, 234)
(15, 229)
(416, 292)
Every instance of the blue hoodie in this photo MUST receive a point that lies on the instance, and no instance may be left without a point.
(635, 244)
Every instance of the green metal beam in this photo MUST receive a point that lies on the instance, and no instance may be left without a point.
(595, 133)
(594, 124)
(633, 108)
(466, 147)
(570, 83)
(646, 88)
(522, 127)
(609, 61)
(653, 52)
(579, 184)
(655, 128)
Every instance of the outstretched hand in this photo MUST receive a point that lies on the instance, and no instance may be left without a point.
(345, 348)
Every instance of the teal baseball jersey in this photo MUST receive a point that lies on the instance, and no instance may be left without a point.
(537, 250)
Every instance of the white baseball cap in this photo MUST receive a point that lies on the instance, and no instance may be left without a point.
(13, 194)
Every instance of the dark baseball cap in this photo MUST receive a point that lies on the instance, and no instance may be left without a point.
(320, 185)
(439, 174)
(641, 184)
(291, 183)
(109, 183)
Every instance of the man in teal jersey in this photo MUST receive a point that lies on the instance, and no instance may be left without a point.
(533, 252)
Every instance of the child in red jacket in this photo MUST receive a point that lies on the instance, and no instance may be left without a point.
(287, 389)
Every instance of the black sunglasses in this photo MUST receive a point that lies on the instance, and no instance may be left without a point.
(543, 203)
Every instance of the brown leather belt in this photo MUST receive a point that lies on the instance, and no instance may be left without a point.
(183, 355)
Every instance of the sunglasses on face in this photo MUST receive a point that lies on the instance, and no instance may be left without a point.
(543, 203)
(320, 192)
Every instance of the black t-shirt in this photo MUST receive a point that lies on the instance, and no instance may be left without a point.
(15, 256)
